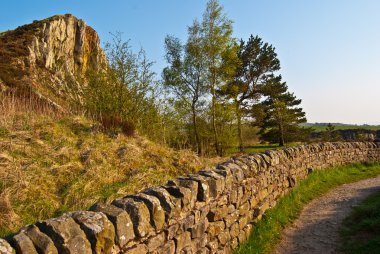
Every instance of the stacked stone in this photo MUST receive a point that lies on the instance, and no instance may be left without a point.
(209, 212)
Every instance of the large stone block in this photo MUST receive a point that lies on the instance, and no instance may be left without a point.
(218, 213)
(244, 209)
(227, 174)
(187, 183)
(234, 229)
(205, 191)
(219, 180)
(155, 241)
(236, 171)
(231, 218)
(171, 205)
(66, 235)
(244, 220)
(243, 164)
(99, 230)
(236, 195)
(157, 213)
(215, 228)
(224, 237)
(23, 244)
(199, 229)
(121, 221)
(184, 194)
(42, 242)
(139, 214)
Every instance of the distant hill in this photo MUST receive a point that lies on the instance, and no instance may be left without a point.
(341, 126)
(48, 59)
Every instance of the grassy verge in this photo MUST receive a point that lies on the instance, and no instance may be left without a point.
(267, 232)
(361, 232)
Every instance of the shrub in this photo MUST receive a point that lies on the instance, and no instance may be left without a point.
(115, 123)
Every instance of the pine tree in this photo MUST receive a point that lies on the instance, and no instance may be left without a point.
(256, 64)
(279, 114)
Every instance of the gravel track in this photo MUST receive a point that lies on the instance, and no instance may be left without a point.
(317, 228)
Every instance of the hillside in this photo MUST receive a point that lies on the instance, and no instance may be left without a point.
(341, 126)
(50, 164)
(48, 59)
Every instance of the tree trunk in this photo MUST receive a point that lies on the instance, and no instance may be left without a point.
(238, 117)
(216, 139)
(282, 140)
(197, 139)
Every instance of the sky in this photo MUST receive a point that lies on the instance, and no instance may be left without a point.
(329, 49)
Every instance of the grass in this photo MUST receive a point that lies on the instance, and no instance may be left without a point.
(50, 164)
(267, 232)
(361, 231)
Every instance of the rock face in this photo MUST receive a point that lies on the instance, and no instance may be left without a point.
(64, 41)
(51, 57)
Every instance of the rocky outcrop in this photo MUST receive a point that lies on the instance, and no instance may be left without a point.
(51, 57)
(65, 43)
(209, 212)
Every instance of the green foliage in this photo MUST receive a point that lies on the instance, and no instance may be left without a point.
(3, 131)
(279, 114)
(185, 75)
(361, 231)
(255, 65)
(123, 95)
(196, 71)
(330, 134)
(267, 232)
(214, 86)
(216, 31)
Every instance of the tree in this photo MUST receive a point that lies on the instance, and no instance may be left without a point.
(123, 68)
(330, 133)
(185, 74)
(279, 115)
(216, 30)
(123, 95)
(257, 62)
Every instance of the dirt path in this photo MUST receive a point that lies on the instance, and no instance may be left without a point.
(317, 228)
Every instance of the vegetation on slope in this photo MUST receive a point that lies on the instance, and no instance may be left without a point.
(51, 163)
(267, 232)
(361, 233)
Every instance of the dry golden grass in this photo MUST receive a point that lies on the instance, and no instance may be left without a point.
(51, 163)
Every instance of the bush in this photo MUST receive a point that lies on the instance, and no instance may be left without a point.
(115, 123)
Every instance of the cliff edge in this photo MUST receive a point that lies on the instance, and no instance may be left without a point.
(49, 59)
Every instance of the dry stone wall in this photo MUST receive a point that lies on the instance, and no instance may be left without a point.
(209, 212)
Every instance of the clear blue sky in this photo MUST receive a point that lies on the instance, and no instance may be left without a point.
(329, 49)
